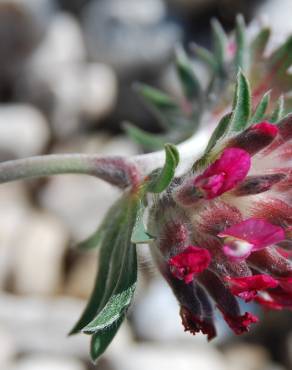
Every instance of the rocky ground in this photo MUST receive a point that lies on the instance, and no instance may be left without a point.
(66, 70)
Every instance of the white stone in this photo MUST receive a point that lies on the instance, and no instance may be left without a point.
(144, 25)
(40, 325)
(247, 357)
(63, 45)
(80, 281)
(120, 145)
(278, 16)
(43, 362)
(81, 91)
(98, 92)
(22, 26)
(41, 245)
(145, 357)
(8, 349)
(23, 130)
(82, 201)
(14, 208)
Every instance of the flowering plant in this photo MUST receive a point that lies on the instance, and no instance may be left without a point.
(219, 224)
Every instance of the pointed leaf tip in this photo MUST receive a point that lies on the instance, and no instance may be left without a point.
(261, 109)
(161, 179)
(279, 111)
(241, 55)
(220, 41)
(189, 81)
(241, 104)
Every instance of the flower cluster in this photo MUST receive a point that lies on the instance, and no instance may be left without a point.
(224, 229)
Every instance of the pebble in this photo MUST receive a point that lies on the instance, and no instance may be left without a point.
(41, 245)
(45, 362)
(145, 25)
(63, 45)
(8, 349)
(41, 324)
(25, 21)
(14, 208)
(82, 93)
(168, 357)
(243, 356)
(82, 201)
(23, 130)
(80, 281)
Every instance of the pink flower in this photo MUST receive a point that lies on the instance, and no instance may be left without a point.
(247, 231)
(251, 235)
(247, 287)
(190, 263)
(225, 173)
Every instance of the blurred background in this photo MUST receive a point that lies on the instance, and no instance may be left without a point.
(66, 74)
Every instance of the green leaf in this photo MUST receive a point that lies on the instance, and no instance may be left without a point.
(140, 235)
(279, 110)
(155, 97)
(259, 44)
(163, 106)
(190, 84)
(219, 132)
(220, 44)
(162, 178)
(100, 342)
(241, 55)
(143, 138)
(241, 104)
(261, 109)
(116, 252)
(281, 59)
(205, 56)
(112, 311)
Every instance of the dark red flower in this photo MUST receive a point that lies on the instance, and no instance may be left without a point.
(240, 324)
(247, 287)
(190, 263)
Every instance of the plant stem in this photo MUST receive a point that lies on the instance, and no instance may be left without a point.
(118, 171)
(115, 170)
(189, 151)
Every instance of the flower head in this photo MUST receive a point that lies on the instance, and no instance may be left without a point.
(235, 211)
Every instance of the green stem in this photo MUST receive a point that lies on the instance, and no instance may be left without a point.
(118, 171)
(115, 170)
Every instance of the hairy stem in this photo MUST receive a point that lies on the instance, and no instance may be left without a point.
(118, 171)
(189, 151)
(115, 170)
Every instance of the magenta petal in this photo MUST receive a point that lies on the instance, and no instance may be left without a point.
(258, 232)
(266, 128)
(190, 263)
(248, 286)
(225, 173)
